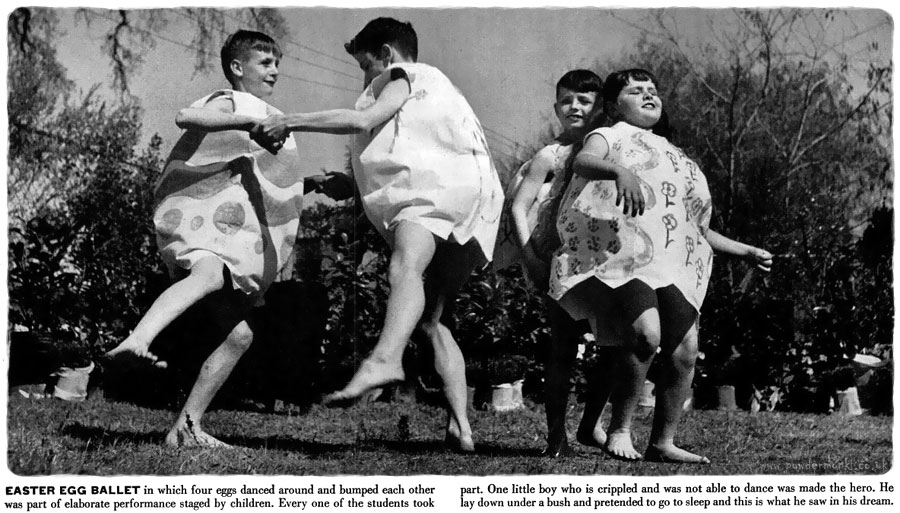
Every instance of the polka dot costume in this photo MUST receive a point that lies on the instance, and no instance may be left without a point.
(221, 194)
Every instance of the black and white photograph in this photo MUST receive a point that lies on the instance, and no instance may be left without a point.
(600, 245)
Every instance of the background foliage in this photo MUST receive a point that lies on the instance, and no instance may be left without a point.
(793, 137)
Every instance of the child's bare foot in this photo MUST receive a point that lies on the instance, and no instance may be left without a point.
(672, 454)
(619, 446)
(558, 446)
(129, 347)
(184, 436)
(373, 373)
(591, 437)
(457, 441)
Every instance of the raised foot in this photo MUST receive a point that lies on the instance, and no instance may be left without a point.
(183, 436)
(372, 373)
(673, 454)
(619, 446)
(591, 438)
(128, 349)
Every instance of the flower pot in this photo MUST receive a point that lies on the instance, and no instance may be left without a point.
(72, 383)
(506, 396)
(725, 396)
(849, 402)
(517, 397)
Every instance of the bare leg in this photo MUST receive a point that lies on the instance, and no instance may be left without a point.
(187, 430)
(560, 357)
(451, 268)
(635, 362)
(414, 248)
(590, 430)
(675, 384)
(205, 277)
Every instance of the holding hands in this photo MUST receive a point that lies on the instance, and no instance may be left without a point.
(270, 133)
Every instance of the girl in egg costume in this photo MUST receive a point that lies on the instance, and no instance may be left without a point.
(639, 271)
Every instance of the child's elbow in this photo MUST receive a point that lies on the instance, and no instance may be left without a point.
(580, 165)
(359, 125)
(181, 119)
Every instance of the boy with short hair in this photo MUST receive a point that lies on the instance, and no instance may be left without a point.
(227, 212)
(536, 192)
(427, 183)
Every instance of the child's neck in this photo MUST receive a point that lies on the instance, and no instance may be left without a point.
(572, 136)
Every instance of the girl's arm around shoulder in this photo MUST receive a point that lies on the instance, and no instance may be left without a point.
(342, 121)
(215, 116)
(592, 164)
(722, 244)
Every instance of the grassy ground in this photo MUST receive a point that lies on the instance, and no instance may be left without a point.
(100, 437)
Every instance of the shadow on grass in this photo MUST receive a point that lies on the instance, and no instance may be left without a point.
(105, 437)
(102, 437)
(432, 446)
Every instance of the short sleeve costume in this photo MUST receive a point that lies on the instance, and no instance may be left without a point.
(221, 194)
(428, 164)
(664, 246)
(541, 214)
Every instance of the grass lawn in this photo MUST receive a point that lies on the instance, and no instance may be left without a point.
(100, 437)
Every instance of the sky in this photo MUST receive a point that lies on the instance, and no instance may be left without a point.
(505, 61)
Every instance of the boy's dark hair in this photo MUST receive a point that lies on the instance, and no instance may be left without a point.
(580, 81)
(617, 81)
(385, 31)
(238, 44)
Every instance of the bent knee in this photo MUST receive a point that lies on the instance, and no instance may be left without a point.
(208, 278)
(685, 355)
(646, 341)
(402, 269)
(240, 338)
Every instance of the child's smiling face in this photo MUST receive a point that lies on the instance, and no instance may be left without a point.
(259, 72)
(638, 104)
(575, 110)
(371, 66)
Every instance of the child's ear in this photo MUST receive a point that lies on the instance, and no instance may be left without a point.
(237, 69)
(386, 54)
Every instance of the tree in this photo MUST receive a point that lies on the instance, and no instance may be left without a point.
(136, 31)
(80, 251)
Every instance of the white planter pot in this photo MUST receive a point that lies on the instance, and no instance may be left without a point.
(849, 402)
(725, 394)
(507, 396)
(72, 383)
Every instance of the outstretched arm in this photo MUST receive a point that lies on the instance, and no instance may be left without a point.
(216, 116)
(341, 121)
(722, 244)
(591, 164)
